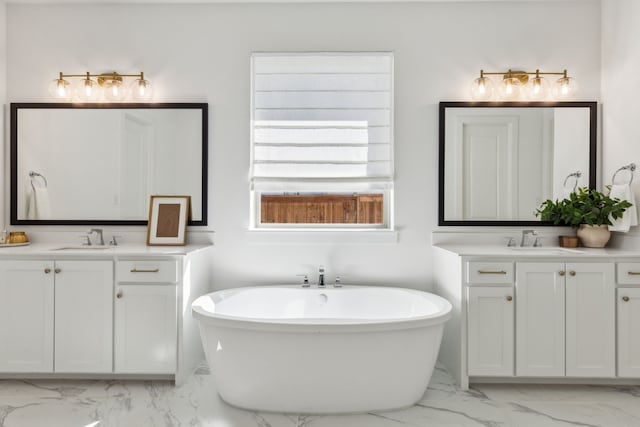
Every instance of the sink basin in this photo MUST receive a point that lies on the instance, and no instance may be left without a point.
(82, 247)
(545, 250)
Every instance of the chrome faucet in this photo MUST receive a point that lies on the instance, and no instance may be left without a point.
(526, 234)
(98, 231)
(321, 276)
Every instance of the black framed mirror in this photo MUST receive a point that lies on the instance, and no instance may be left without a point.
(498, 161)
(95, 163)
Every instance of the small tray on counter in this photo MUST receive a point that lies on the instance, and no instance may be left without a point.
(6, 245)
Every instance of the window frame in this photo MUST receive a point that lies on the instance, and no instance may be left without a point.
(344, 185)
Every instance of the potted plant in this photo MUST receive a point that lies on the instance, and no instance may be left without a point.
(587, 209)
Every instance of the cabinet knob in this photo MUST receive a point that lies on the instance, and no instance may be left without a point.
(57, 270)
(47, 270)
(119, 295)
(562, 273)
(625, 299)
(573, 273)
(509, 298)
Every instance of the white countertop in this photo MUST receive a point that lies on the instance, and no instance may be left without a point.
(53, 250)
(531, 252)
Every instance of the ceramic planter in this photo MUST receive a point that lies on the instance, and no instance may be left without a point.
(594, 236)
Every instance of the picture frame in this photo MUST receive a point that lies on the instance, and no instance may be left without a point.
(168, 216)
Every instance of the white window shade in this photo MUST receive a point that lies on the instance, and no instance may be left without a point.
(322, 117)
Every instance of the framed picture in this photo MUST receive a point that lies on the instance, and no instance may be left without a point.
(168, 220)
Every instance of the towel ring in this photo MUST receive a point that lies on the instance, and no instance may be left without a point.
(33, 175)
(576, 175)
(631, 167)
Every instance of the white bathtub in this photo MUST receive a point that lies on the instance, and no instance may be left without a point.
(332, 350)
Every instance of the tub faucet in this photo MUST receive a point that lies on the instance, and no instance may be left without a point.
(321, 276)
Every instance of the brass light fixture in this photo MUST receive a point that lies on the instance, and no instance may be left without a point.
(111, 85)
(513, 82)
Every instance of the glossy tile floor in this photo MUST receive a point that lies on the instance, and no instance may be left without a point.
(151, 403)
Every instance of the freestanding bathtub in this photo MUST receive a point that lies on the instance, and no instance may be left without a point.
(321, 350)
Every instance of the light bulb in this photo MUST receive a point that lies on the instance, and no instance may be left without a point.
(481, 89)
(141, 89)
(537, 89)
(59, 88)
(86, 89)
(115, 91)
(565, 87)
(510, 88)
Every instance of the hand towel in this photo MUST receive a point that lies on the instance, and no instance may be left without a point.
(630, 216)
(38, 203)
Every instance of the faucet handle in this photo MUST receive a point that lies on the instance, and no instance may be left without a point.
(338, 282)
(321, 269)
(305, 280)
(511, 241)
(86, 239)
(114, 241)
(538, 242)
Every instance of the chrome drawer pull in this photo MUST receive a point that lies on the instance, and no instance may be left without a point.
(135, 270)
(633, 273)
(491, 272)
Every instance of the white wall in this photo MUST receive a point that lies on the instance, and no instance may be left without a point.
(201, 53)
(620, 89)
(3, 97)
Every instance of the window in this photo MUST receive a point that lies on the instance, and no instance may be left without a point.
(322, 140)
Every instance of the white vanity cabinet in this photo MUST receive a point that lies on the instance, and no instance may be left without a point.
(565, 322)
(146, 316)
(83, 316)
(118, 312)
(491, 322)
(68, 300)
(628, 306)
(26, 316)
(529, 316)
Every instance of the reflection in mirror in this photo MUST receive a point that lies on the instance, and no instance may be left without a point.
(100, 163)
(500, 161)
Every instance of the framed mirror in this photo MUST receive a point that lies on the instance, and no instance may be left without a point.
(75, 164)
(499, 161)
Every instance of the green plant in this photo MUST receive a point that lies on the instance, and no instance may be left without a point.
(585, 206)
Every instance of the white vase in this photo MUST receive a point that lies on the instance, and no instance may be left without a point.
(594, 236)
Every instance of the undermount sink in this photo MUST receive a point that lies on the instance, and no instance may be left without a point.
(545, 250)
(82, 247)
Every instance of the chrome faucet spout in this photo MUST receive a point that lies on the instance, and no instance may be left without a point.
(526, 235)
(98, 231)
(321, 276)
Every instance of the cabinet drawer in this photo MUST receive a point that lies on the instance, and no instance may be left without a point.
(147, 271)
(628, 273)
(490, 272)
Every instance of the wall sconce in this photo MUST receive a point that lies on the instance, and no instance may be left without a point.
(111, 85)
(513, 82)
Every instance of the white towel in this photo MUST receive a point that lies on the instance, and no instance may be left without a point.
(630, 215)
(38, 204)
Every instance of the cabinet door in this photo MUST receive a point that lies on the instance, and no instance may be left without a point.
(490, 331)
(540, 319)
(145, 329)
(590, 318)
(26, 316)
(629, 332)
(84, 316)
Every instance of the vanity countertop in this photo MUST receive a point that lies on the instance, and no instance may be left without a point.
(66, 250)
(479, 250)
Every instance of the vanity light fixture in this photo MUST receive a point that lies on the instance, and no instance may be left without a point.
(111, 85)
(513, 82)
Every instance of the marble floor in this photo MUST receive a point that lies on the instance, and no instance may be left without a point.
(157, 403)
